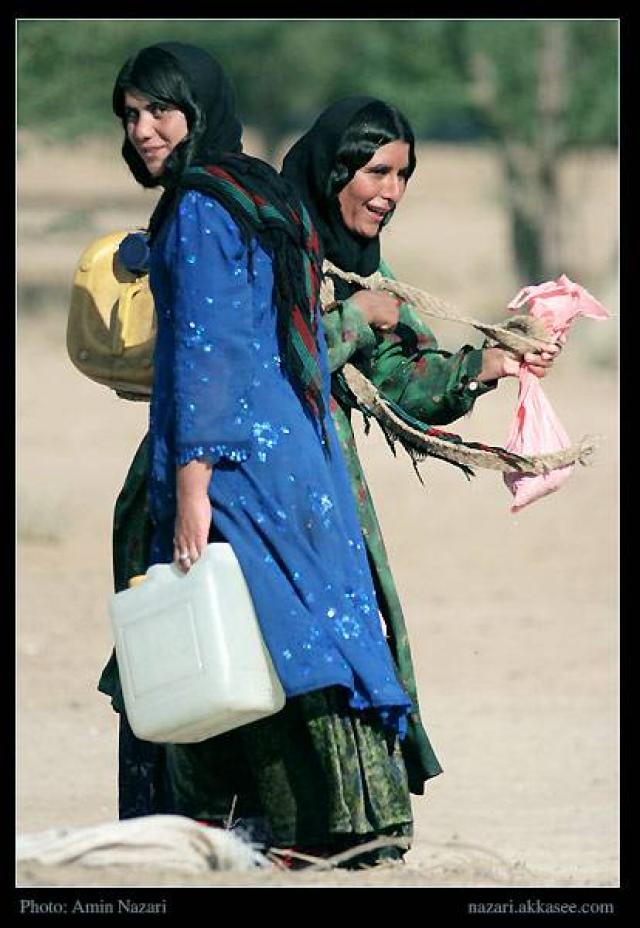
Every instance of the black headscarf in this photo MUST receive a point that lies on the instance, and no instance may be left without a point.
(264, 205)
(215, 132)
(308, 165)
(222, 133)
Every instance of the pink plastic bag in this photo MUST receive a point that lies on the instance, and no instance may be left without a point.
(535, 428)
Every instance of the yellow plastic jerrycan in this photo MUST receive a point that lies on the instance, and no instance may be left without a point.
(111, 327)
(192, 660)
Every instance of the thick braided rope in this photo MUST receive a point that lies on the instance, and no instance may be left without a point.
(370, 398)
(518, 333)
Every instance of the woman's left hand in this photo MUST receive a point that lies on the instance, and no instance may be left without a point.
(540, 363)
(498, 362)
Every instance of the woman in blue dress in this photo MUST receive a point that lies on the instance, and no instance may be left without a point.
(242, 448)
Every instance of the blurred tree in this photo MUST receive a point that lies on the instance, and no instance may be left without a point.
(541, 88)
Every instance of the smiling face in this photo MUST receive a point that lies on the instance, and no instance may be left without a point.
(154, 129)
(375, 189)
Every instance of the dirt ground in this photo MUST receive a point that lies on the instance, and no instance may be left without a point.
(513, 618)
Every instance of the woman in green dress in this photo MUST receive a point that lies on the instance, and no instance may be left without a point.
(317, 776)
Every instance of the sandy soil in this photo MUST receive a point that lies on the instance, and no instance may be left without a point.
(513, 619)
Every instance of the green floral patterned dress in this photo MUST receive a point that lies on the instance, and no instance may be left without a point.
(320, 774)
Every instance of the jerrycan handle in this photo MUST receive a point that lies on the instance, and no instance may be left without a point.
(158, 573)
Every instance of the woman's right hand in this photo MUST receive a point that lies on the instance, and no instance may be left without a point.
(379, 309)
(193, 516)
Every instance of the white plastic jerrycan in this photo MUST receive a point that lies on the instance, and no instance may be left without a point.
(190, 652)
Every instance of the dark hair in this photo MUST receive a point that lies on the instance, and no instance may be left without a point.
(375, 125)
(156, 74)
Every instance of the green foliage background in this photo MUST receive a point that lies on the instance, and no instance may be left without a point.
(286, 71)
(533, 89)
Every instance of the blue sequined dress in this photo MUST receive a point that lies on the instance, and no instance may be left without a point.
(287, 509)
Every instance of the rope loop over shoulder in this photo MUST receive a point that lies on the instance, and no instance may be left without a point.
(518, 333)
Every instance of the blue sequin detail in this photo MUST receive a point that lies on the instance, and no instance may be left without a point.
(348, 627)
(212, 453)
(195, 337)
(322, 505)
(265, 434)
